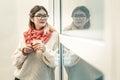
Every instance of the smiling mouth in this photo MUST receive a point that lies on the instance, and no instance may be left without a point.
(42, 22)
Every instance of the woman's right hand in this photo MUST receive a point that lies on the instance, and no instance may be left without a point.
(27, 50)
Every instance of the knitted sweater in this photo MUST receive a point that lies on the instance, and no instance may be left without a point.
(36, 66)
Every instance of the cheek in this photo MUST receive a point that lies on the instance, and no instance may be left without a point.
(35, 21)
(86, 20)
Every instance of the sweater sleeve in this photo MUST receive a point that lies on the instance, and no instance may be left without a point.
(49, 55)
(18, 57)
(74, 60)
(70, 58)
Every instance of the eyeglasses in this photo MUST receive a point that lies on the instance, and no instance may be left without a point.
(40, 16)
(79, 16)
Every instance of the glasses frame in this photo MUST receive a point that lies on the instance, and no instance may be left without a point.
(40, 16)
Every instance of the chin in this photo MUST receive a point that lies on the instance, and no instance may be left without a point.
(42, 25)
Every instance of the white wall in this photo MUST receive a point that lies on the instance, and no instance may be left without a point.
(8, 37)
(116, 44)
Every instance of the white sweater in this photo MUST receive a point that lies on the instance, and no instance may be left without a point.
(36, 66)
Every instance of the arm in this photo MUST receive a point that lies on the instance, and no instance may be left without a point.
(70, 58)
(18, 57)
(51, 50)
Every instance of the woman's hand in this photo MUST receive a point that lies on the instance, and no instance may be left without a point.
(27, 50)
(38, 47)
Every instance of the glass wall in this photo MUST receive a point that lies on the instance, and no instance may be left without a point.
(82, 19)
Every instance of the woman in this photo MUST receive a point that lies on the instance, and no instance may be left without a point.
(81, 19)
(34, 58)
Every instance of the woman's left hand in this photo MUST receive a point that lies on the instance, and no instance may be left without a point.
(39, 46)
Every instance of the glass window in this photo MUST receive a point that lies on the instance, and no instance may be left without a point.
(82, 18)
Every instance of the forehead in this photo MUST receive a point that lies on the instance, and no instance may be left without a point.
(79, 12)
(40, 12)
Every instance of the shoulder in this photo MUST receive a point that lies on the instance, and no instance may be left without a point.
(55, 34)
(69, 27)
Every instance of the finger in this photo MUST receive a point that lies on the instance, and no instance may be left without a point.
(36, 44)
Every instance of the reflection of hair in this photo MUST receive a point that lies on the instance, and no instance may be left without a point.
(32, 14)
(87, 13)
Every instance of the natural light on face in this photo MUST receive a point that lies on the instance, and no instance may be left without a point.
(40, 19)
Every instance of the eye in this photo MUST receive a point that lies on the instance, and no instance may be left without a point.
(42, 15)
(45, 15)
(79, 15)
(82, 15)
(39, 15)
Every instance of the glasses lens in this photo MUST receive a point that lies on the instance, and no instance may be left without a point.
(79, 15)
(42, 16)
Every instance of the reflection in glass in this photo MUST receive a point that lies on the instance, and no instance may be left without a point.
(80, 26)
(81, 18)
(78, 69)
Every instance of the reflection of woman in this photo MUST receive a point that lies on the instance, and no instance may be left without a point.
(34, 58)
(78, 69)
(81, 19)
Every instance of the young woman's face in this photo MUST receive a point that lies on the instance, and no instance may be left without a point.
(79, 19)
(40, 19)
